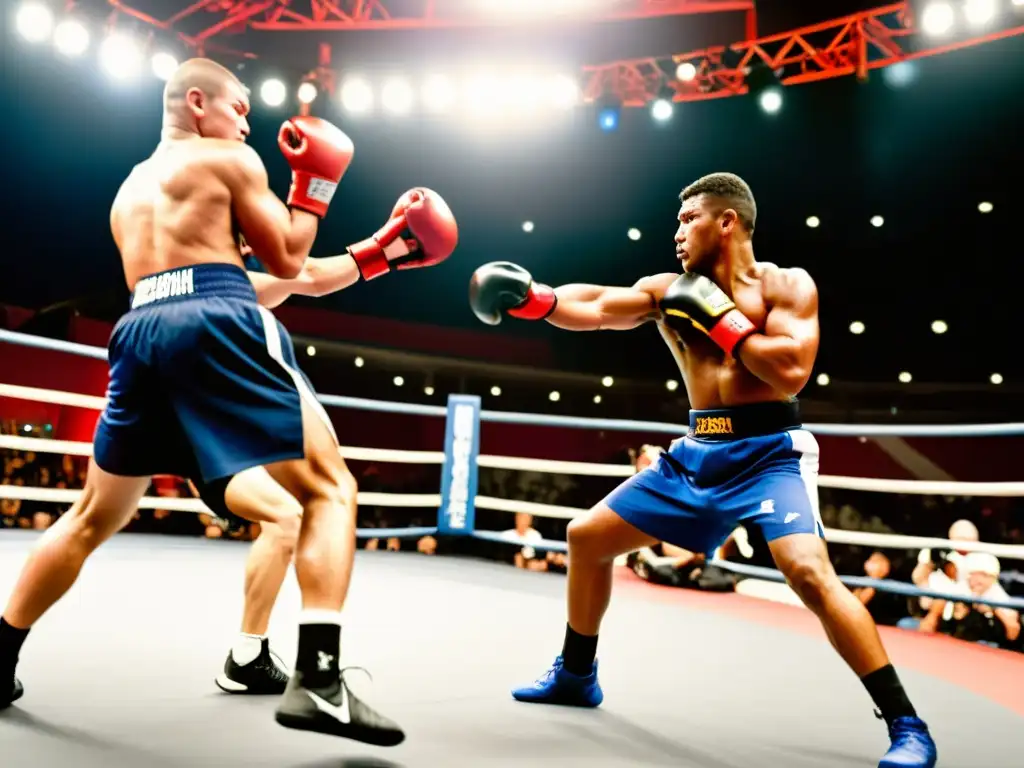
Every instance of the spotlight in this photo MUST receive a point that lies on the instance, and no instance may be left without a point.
(997, 378)
(273, 92)
(813, 222)
(856, 327)
(987, 207)
(608, 119)
(359, 362)
(428, 390)
(771, 100)
(823, 380)
(496, 391)
(554, 397)
(564, 92)
(597, 399)
(939, 326)
(877, 221)
(527, 226)
(438, 94)
(607, 381)
(661, 110)
(164, 65)
(900, 74)
(938, 18)
(120, 56)
(311, 350)
(71, 38)
(28, 427)
(307, 92)
(397, 96)
(34, 22)
(686, 72)
(979, 12)
(399, 381)
(671, 385)
(357, 96)
(633, 234)
(905, 378)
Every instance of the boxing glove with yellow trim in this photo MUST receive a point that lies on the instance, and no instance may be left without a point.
(694, 300)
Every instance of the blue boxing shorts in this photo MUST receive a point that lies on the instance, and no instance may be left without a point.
(752, 464)
(203, 380)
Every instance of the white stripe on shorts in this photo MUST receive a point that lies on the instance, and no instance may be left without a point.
(806, 445)
(274, 348)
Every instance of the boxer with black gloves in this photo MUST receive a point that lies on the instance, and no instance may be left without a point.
(745, 337)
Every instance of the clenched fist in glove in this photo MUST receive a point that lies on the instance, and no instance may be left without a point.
(319, 154)
(420, 233)
(503, 287)
(699, 303)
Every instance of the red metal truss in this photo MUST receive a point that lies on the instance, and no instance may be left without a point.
(849, 45)
(221, 16)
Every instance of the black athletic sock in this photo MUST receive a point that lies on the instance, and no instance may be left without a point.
(319, 646)
(11, 640)
(578, 652)
(886, 690)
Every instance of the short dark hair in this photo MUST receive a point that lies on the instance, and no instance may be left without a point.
(730, 189)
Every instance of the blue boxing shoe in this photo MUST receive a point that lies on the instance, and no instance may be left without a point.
(912, 745)
(557, 686)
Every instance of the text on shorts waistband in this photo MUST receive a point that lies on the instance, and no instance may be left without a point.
(224, 280)
(744, 421)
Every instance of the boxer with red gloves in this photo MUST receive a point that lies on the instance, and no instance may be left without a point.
(196, 356)
(319, 154)
(420, 232)
(744, 335)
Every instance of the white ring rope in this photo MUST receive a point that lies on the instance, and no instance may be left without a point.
(411, 500)
(871, 484)
(68, 496)
(893, 541)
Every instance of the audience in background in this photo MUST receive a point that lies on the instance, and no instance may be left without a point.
(957, 572)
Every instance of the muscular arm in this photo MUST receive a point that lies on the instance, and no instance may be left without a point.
(280, 238)
(596, 308)
(318, 277)
(783, 355)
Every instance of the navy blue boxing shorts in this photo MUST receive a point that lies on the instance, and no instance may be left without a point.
(203, 380)
(752, 464)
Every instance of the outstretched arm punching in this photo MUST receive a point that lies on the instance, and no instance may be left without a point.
(502, 288)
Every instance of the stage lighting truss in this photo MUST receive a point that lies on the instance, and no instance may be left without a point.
(851, 45)
(203, 20)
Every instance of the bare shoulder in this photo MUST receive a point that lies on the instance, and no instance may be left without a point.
(656, 285)
(236, 162)
(793, 287)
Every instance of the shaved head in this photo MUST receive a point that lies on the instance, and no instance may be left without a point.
(205, 74)
(202, 97)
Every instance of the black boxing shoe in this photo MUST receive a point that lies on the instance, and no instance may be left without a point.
(16, 692)
(263, 676)
(335, 711)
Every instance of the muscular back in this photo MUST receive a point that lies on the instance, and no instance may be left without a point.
(174, 209)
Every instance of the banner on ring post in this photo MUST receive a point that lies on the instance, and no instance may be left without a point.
(459, 472)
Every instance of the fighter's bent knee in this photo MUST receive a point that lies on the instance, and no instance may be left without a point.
(811, 579)
(282, 535)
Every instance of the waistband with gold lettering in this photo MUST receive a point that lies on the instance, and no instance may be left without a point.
(744, 421)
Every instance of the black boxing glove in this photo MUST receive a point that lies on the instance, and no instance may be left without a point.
(699, 303)
(501, 287)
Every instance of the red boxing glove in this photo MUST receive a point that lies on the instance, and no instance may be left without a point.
(319, 154)
(421, 216)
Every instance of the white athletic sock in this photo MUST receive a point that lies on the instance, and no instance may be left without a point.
(247, 648)
(319, 616)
